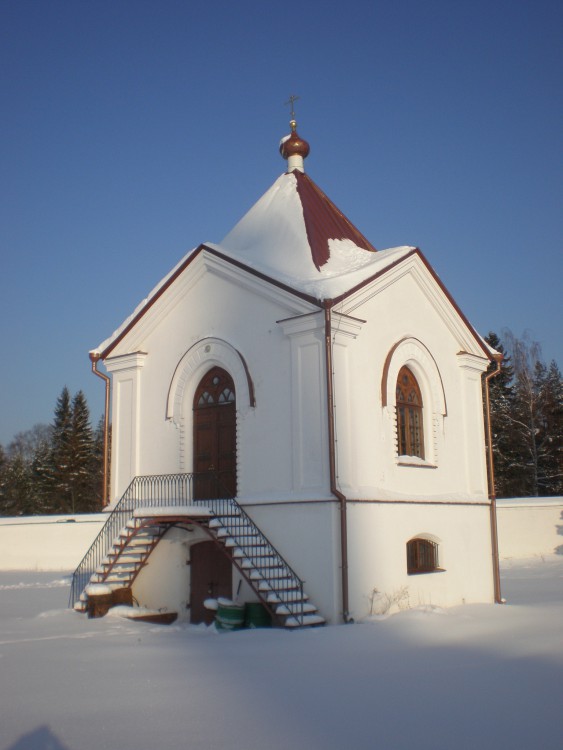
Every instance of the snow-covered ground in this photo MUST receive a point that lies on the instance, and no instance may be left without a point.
(474, 677)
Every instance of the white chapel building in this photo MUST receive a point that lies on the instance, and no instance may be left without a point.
(330, 394)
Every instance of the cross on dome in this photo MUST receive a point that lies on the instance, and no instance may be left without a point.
(291, 103)
(292, 147)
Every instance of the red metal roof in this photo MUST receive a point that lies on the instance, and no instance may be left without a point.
(324, 221)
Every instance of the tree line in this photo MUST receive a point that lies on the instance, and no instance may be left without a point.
(58, 468)
(526, 400)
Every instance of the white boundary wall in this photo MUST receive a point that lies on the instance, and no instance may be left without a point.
(526, 527)
(47, 542)
(530, 526)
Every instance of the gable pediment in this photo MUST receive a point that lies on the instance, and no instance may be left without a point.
(416, 268)
(183, 283)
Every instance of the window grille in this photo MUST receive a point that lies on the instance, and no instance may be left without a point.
(410, 429)
(422, 556)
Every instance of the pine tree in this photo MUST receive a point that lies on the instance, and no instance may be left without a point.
(68, 469)
(57, 475)
(81, 457)
(42, 475)
(98, 464)
(18, 495)
(3, 470)
(19, 490)
(53, 468)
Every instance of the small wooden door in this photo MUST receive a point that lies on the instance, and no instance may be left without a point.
(215, 436)
(211, 577)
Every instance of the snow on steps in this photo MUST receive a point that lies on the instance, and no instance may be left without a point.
(292, 597)
(292, 609)
(266, 571)
(129, 553)
(272, 580)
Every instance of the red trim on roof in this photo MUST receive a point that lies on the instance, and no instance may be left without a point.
(416, 251)
(454, 304)
(263, 276)
(132, 323)
(324, 221)
(367, 281)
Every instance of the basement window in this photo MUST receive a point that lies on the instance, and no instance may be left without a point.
(422, 556)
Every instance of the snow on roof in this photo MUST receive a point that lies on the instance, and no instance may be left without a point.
(347, 267)
(290, 229)
(138, 311)
(295, 236)
(493, 353)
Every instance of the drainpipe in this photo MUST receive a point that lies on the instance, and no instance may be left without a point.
(94, 358)
(332, 462)
(491, 482)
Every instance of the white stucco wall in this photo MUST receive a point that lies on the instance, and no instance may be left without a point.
(47, 542)
(164, 583)
(530, 526)
(377, 538)
(307, 535)
(207, 306)
(408, 321)
(217, 315)
(402, 318)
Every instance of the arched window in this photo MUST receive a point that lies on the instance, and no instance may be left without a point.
(410, 432)
(422, 556)
(215, 389)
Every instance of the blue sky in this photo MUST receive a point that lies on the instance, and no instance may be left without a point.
(134, 130)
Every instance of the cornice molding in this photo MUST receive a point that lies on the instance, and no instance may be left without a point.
(122, 362)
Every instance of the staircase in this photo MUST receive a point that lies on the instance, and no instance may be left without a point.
(127, 557)
(152, 505)
(277, 585)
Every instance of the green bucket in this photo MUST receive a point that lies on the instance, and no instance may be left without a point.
(256, 616)
(229, 616)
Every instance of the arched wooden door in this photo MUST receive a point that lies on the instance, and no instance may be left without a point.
(215, 459)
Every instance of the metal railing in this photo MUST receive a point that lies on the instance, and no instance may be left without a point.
(155, 491)
(180, 490)
(263, 556)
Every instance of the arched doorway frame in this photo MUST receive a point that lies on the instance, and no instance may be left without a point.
(215, 436)
(195, 363)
